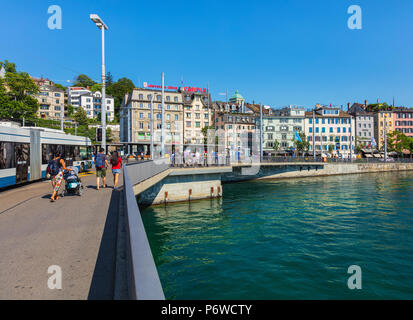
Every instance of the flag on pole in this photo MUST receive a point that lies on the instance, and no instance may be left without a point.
(297, 137)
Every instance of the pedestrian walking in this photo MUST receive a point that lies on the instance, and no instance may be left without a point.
(116, 163)
(101, 163)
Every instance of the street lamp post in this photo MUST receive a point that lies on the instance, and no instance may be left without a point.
(102, 26)
(261, 138)
(163, 118)
(385, 138)
(314, 135)
(152, 151)
(351, 139)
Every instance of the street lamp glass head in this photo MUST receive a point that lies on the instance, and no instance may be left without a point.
(98, 21)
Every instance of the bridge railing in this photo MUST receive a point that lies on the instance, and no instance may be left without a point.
(143, 278)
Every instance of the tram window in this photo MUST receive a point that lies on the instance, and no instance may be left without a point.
(7, 158)
(84, 153)
(69, 155)
(48, 151)
(76, 153)
(22, 153)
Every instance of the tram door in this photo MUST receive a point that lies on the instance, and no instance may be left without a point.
(22, 152)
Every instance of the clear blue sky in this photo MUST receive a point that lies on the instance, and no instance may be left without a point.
(274, 52)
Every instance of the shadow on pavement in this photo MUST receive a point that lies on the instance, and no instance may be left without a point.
(102, 286)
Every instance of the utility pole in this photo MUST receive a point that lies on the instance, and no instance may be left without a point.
(163, 118)
(314, 135)
(351, 139)
(385, 138)
(152, 151)
(261, 151)
(129, 128)
(62, 114)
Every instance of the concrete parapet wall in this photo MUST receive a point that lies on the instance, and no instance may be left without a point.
(182, 188)
(331, 169)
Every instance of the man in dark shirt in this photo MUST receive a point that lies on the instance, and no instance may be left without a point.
(101, 163)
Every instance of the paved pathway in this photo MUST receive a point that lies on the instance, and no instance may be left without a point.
(76, 233)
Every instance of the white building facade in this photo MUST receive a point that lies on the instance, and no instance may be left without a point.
(91, 102)
(333, 131)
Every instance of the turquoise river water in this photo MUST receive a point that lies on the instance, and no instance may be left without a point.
(289, 239)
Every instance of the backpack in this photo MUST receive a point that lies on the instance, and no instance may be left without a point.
(99, 161)
(53, 168)
(115, 161)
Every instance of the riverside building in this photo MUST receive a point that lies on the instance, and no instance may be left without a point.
(187, 112)
(403, 121)
(332, 131)
(364, 124)
(279, 129)
(235, 123)
(383, 123)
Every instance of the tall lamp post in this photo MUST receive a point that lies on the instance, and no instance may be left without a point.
(314, 135)
(152, 151)
(163, 118)
(385, 137)
(102, 26)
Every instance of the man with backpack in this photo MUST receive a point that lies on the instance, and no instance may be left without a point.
(101, 163)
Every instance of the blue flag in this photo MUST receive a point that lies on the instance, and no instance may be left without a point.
(297, 137)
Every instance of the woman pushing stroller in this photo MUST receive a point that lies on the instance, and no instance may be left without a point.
(55, 168)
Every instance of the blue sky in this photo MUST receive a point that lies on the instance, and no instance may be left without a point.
(274, 52)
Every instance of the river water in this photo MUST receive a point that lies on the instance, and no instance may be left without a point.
(289, 239)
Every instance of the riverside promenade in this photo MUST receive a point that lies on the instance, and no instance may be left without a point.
(76, 233)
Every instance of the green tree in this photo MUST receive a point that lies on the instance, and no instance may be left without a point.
(9, 67)
(59, 86)
(96, 87)
(70, 110)
(81, 116)
(303, 145)
(397, 142)
(118, 90)
(109, 79)
(276, 145)
(17, 102)
(204, 131)
(20, 84)
(83, 80)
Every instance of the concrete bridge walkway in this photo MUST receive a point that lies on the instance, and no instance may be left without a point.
(76, 233)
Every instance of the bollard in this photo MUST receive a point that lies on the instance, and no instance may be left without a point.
(166, 196)
(190, 194)
(212, 191)
(219, 191)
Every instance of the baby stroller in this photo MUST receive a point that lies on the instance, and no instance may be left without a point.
(73, 184)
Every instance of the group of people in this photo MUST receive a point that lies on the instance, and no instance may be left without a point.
(57, 167)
